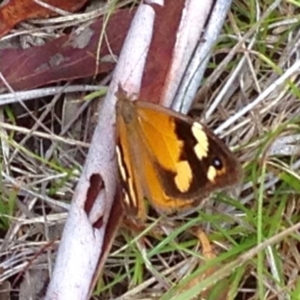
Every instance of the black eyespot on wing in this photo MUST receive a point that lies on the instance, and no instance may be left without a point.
(217, 163)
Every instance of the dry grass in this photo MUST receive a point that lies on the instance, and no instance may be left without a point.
(255, 236)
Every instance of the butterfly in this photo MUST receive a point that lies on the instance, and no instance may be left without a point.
(168, 159)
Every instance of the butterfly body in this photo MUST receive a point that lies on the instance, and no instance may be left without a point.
(168, 158)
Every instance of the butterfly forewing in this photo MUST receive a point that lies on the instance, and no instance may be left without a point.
(169, 159)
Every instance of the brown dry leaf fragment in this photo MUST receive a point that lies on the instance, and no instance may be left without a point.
(160, 56)
(208, 253)
(15, 11)
(66, 58)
